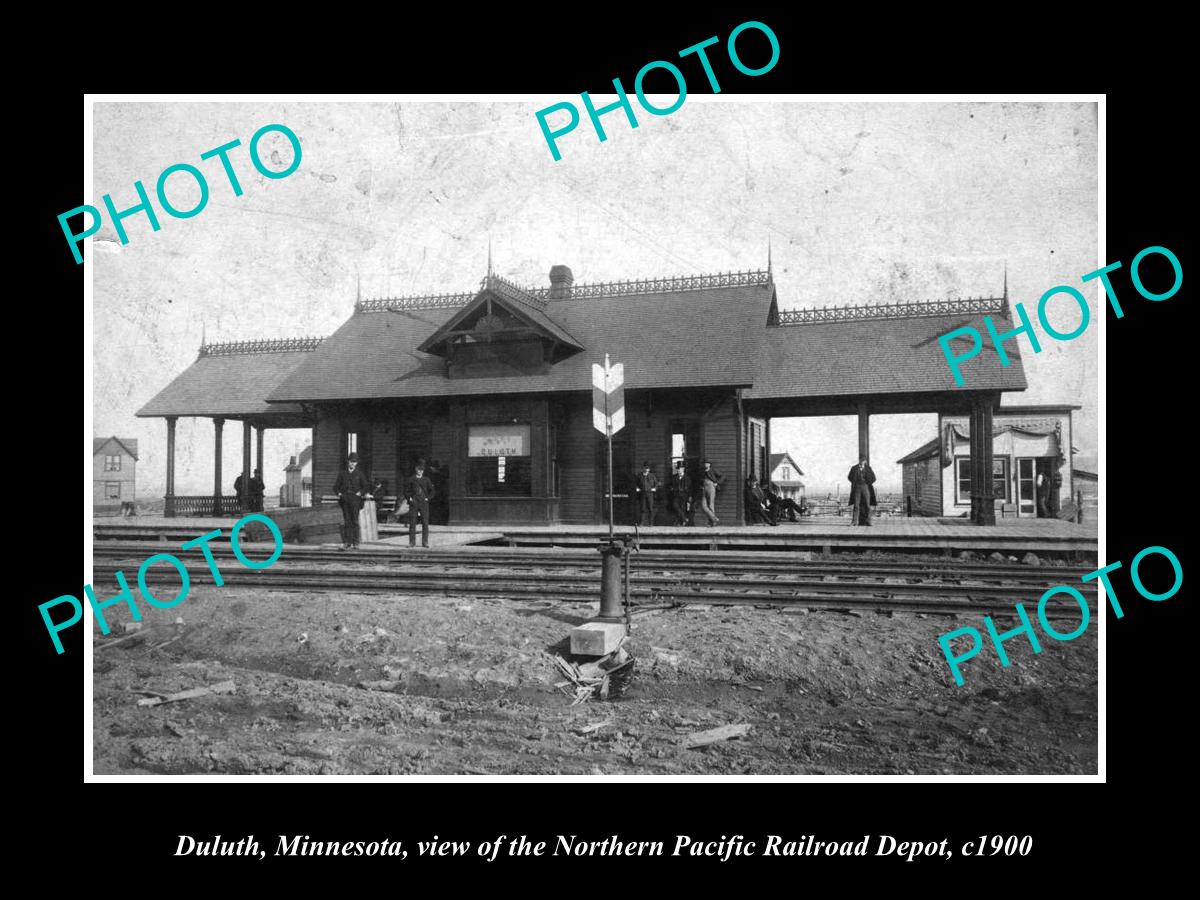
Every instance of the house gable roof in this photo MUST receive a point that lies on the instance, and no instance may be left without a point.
(129, 445)
(777, 458)
(926, 450)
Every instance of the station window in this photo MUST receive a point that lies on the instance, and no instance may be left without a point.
(785, 473)
(112, 490)
(112, 463)
(499, 463)
(1001, 486)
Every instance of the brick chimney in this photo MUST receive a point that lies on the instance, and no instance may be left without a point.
(561, 280)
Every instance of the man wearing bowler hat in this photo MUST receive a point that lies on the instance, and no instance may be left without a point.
(419, 491)
(351, 486)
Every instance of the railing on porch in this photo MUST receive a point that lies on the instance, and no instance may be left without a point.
(202, 506)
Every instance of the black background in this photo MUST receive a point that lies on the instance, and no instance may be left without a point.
(1150, 408)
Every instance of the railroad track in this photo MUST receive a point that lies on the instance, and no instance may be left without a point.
(672, 577)
(764, 562)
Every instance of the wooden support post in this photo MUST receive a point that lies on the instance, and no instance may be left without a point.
(864, 433)
(218, 430)
(244, 494)
(260, 429)
(169, 500)
(983, 506)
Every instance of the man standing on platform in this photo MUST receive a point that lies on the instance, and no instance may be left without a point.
(351, 486)
(257, 489)
(418, 490)
(646, 484)
(681, 494)
(862, 493)
(710, 482)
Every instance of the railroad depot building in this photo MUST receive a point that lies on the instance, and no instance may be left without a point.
(1028, 442)
(495, 384)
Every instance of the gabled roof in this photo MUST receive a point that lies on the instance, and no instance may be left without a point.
(777, 458)
(692, 331)
(882, 349)
(232, 379)
(523, 305)
(129, 445)
(926, 450)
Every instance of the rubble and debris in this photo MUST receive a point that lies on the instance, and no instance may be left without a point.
(601, 678)
(715, 735)
(221, 687)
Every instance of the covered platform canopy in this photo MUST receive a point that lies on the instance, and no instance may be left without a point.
(230, 381)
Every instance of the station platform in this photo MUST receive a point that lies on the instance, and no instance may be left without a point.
(1009, 536)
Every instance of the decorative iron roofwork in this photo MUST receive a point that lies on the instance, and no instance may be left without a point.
(283, 345)
(516, 293)
(822, 314)
(670, 285)
(539, 298)
(426, 301)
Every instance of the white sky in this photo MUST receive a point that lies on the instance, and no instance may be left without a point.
(863, 203)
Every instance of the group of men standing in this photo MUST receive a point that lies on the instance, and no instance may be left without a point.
(683, 498)
(353, 487)
(252, 499)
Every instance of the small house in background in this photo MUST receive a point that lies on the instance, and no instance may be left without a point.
(297, 480)
(114, 475)
(1030, 445)
(785, 475)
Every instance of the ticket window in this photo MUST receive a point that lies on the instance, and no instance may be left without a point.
(499, 462)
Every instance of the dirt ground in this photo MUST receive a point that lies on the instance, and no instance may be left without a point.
(473, 692)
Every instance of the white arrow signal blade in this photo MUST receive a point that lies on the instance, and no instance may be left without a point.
(618, 420)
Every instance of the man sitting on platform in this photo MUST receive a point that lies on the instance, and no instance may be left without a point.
(757, 509)
(781, 507)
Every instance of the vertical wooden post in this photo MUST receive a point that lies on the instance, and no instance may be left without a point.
(983, 506)
(244, 494)
(218, 430)
(169, 500)
(260, 429)
(864, 433)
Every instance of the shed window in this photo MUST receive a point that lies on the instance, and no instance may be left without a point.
(112, 463)
(112, 490)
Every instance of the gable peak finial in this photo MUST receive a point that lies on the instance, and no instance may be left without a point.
(1006, 280)
(489, 268)
(768, 253)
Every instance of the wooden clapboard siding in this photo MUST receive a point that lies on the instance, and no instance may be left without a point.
(327, 456)
(721, 442)
(383, 452)
(576, 462)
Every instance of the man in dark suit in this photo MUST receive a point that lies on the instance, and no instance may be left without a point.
(645, 485)
(257, 489)
(681, 494)
(862, 493)
(351, 486)
(243, 501)
(418, 490)
(780, 506)
(757, 509)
